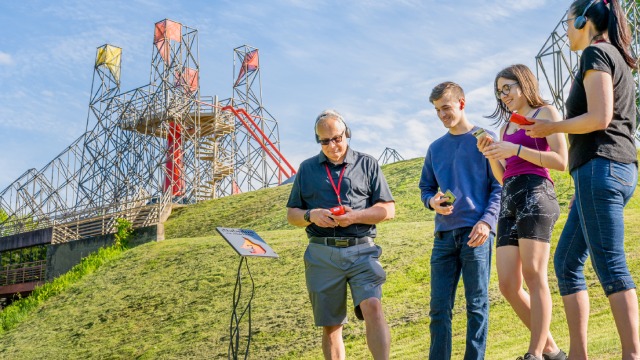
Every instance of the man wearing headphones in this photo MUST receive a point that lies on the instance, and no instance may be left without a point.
(465, 224)
(338, 196)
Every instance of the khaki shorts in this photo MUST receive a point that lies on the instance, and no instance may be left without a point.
(329, 269)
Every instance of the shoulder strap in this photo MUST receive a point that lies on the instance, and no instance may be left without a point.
(536, 113)
(506, 128)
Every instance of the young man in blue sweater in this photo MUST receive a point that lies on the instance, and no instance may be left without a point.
(464, 224)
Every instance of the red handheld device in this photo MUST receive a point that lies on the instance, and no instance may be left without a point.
(519, 119)
(338, 210)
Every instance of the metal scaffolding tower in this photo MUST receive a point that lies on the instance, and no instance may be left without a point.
(389, 156)
(557, 64)
(254, 169)
(152, 146)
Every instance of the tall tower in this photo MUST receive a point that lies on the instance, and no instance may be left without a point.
(253, 167)
(99, 180)
(143, 142)
(175, 116)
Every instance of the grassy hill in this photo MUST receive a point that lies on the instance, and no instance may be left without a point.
(172, 299)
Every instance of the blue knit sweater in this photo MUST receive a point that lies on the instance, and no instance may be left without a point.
(453, 162)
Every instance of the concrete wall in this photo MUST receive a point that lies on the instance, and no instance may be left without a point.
(62, 257)
(31, 238)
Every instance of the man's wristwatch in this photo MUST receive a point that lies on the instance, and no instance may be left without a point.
(307, 216)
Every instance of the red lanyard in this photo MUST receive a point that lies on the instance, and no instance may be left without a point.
(336, 189)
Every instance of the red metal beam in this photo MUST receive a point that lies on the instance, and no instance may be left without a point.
(275, 148)
(278, 163)
(264, 147)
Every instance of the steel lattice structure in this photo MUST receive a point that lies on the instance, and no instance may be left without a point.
(557, 64)
(389, 156)
(254, 169)
(146, 148)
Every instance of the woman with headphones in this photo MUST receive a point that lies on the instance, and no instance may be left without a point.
(600, 121)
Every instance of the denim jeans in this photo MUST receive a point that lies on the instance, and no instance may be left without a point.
(450, 258)
(595, 227)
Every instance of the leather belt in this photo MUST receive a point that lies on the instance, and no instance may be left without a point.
(341, 241)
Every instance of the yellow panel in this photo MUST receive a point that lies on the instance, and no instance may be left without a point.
(110, 56)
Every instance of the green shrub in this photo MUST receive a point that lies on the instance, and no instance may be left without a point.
(125, 229)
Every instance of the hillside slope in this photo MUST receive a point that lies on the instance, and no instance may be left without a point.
(172, 299)
(265, 209)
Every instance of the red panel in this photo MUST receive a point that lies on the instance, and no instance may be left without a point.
(249, 63)
(174, 180)
(235, 189)
(164, 49)
(166, 30)
(188, 79)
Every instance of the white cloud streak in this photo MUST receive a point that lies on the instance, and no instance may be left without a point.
(5, 59)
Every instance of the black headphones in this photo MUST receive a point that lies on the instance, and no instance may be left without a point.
(333, 114)
(581, 20)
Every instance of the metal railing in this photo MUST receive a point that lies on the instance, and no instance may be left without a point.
(139, 216)
(23, 273)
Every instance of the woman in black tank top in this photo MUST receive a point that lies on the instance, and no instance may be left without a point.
(601, 121)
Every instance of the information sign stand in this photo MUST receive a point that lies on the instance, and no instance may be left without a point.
(246, 243)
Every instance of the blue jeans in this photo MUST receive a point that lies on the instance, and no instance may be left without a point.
(451, 257)
(595, 227)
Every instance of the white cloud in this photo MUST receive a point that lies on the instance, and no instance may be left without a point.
(305, 4)
(5, 59)
(499, 10)
(523, 5)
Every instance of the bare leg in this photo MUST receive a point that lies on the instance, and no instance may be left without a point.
(378, 338)
(332, 345)
(509, 266)
(624, 306)
(535, 257)
(576, 307)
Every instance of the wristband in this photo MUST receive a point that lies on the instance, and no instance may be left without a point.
(519, 148)
(307, 216)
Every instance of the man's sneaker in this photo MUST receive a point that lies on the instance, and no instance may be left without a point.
(528, 356)
(559, 356)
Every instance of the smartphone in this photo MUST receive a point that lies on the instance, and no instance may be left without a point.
(480, 133)
(452, 198)
(519, 119)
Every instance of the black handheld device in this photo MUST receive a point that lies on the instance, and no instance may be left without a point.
(451, 198)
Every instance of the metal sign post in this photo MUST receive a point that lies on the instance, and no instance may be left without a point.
(246, 243)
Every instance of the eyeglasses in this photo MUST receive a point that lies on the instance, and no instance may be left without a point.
(565, 23)
(335, 140)
(506, 89)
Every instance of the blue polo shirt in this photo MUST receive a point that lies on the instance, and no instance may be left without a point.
(363, 185)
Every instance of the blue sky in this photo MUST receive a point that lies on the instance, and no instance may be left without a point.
(374, 61)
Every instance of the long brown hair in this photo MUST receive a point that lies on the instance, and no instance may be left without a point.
(611, 19)
(527, 82)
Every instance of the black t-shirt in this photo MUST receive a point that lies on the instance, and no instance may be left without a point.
(363, 184)
(616, 142)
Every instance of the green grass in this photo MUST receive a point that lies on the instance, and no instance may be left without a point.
(172, 299)
(20, 309)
